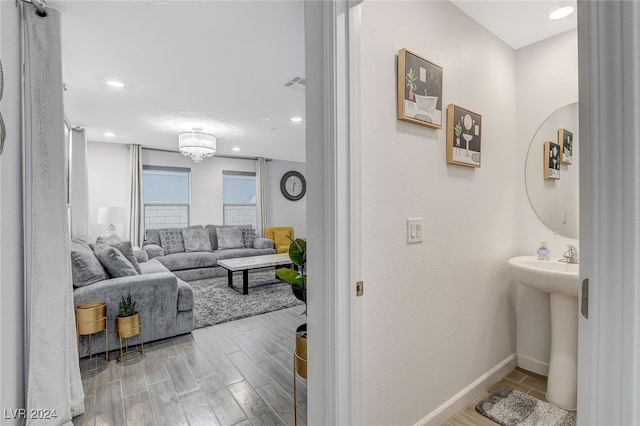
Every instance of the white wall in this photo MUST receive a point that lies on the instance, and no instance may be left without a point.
(282, 212)
(437, 315)
(547, 78)
(11, 260)
(109, 186)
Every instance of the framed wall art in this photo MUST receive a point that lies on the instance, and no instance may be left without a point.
(565, 140)
(551, 160)
(464, 136)
(419, 90)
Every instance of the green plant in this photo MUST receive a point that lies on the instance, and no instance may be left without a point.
(127, 306)
(411, 80)
(297, 279)
(457, 129)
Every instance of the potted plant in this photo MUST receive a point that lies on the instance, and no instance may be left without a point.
(298, 280)
(128, 321)
(411, 82)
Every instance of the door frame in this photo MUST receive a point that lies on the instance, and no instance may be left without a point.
(332, 31)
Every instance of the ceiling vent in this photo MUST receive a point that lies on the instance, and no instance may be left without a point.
(297, 83)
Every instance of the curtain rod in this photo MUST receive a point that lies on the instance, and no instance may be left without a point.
(40, 6)
(220, 156)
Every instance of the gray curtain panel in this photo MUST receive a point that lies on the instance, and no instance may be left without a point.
(53, 373)
(261, 195)
(79, 184)
(136, 215)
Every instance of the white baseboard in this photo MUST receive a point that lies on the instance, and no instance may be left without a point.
(533, 365)
(441, 414)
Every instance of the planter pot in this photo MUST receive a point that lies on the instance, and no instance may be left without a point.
(301, 350)
(128, 326)
(91, 318)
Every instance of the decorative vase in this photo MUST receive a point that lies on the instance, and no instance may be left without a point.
(91, 318)
(301, 350)
(128, 326)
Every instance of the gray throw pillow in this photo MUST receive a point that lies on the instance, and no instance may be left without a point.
(108, 240)
(126, 249)
(171, 239)
(152, 236)
(114, 261)
(196, 239)
(85, 267)
(248, 236)
(230, 237)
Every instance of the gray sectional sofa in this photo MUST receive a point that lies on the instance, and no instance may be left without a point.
(193, 258)
(165, 302)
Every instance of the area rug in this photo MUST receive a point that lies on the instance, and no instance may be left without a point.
(216, 303)
(510, 407)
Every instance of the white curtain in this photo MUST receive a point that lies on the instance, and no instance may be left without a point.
(261, 195)
(53, 374)
(79, 183)
(136, 215)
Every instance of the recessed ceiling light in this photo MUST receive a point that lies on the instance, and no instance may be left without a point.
(115, 83)
(236, 148)
(109, 134)
(296, 119)
(561, 12)
(265, 119)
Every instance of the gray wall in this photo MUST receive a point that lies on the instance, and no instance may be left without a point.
(282, 212)
(11, 263)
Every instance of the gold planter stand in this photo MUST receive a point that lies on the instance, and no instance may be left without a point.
(91, 318)
(299, 365)
(129, 327)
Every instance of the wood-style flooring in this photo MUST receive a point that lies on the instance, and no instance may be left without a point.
(236, 373)
(519, 379)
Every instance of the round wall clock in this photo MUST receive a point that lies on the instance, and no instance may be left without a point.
(293, 185)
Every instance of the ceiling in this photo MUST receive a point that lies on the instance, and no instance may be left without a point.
(219, 66)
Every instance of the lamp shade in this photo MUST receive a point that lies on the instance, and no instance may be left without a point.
(110, 215)
(197, 145)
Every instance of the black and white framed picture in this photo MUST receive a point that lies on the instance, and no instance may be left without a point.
(565, 140)
(419, 90)
(551, 160)
(464, 136)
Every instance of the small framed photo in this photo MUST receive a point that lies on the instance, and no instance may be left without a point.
(565, 140)
(464, 136)
(419, 90)
(551, 160)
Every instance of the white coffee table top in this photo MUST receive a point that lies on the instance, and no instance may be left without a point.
(254, 262)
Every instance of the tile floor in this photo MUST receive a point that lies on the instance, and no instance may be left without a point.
(236, 373)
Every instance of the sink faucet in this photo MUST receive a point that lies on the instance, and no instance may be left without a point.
(571, 255)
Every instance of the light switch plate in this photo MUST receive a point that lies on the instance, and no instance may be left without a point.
(414, 230)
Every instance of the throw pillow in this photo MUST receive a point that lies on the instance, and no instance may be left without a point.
(230, 237)
(126, 249)
(248, 236)
(196, 239)
(114, 261)
(281, 238)
(152, 236)
(85, 267)
(108, 240)
(171, 239)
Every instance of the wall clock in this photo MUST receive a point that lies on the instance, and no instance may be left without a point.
(293, 185)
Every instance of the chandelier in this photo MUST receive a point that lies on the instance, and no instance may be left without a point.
(197, 145)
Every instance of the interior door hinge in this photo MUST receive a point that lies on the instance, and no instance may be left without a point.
(584, 303)
(359, 288)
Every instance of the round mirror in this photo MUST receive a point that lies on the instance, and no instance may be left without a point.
(551, 171)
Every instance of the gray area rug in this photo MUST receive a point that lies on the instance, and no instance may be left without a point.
(510, 407)
(216, 303)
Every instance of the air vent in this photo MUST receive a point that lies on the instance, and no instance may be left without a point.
(298, 83)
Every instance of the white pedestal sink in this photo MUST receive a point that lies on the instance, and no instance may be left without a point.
(560, 280)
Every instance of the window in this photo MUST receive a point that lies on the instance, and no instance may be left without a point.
(239, 198)
(167, 195)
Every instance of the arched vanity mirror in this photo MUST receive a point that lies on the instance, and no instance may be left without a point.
(551, 179)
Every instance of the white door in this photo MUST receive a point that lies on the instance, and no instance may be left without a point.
(609, 358)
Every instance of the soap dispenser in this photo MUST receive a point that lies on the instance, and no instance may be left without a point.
(543, 250)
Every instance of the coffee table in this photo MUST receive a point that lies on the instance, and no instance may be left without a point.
(245, 264)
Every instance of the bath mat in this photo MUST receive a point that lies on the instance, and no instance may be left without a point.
(510, 407)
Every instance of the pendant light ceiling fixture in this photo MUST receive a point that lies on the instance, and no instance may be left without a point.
(197, 145)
